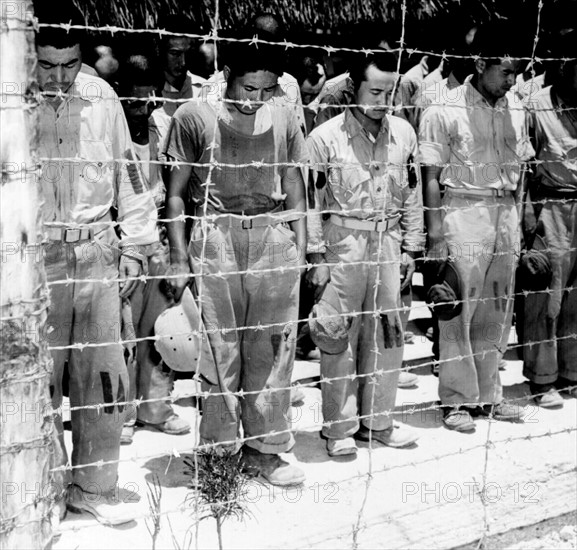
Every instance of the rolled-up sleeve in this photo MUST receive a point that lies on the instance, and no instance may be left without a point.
(434, 149)
(412, 221)
(137, 214)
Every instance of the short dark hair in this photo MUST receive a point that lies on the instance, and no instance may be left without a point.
(138, 70)
(174, 24)
(496, 40)
(384, 61)
(57, 14)
(308, 69)
(242, 58)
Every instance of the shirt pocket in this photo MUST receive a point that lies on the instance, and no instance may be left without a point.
(93, 172)
(350, 183)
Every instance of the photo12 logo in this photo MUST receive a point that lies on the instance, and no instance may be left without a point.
(452, 491)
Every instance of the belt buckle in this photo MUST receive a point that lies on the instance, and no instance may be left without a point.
(71, 235)
(246, 223)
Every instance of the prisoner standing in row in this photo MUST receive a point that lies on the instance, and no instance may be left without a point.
(365, 252)
(476, 146)
(150, 380)
(254, 223)
(550, 319)
(89, 181)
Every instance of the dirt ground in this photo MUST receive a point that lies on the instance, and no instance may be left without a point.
(449, 490)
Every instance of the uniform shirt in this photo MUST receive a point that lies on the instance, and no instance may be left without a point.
(150, 172)
(554, 127)
(237, 189)
(89, 131)
(478, 146)
(366, 177)
(439, 93)
(159, 121)
(287, 92)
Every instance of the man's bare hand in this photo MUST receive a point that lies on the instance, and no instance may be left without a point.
(128, 269)
(318, 277)
(178, 278)
(407, 269)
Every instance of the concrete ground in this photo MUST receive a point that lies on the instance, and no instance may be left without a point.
(449, 490)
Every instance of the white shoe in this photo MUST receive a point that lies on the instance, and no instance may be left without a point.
(341, 447)
(407, 380)
(109, 509)
(398, 435)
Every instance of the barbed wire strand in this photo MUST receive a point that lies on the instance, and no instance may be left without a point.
(208, 218)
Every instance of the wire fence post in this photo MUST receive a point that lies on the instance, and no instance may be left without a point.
(25, 417)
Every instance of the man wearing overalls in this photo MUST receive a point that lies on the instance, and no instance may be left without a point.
(246, 252)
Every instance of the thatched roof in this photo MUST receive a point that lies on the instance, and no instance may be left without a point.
(299, 15)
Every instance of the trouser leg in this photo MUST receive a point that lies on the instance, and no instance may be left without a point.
(98, 375)
(154, 381)
(381, 340)
(268, 355)
(59, 266)
(491, 324)
(549, 349)
(466, 226)
(222, 305)
(345, 250)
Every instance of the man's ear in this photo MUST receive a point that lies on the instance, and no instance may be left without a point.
(226, 72)
(480, 65)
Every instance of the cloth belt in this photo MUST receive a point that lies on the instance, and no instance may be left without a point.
(74, 235)
(365, 225)
(260, 220)
(498, 193)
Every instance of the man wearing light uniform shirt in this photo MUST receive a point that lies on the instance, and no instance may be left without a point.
(475, 146)
(550, 352)
(85, 137)
(360, 174)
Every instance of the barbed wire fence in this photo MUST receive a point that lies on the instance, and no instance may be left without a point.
(18, 324)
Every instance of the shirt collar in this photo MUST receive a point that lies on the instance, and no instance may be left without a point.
(354, 127)
(72, 94)
(169, 88)
(475, 96)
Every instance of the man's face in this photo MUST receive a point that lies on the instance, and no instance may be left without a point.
(309, 92)
(498, 79)
(375, 92)
(255, 87)
(177, 50)
(57, 69)
(137, 111)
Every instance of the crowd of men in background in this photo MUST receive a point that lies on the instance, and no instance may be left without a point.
(463, 160)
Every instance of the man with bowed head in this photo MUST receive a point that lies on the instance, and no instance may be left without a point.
(362, 174)
(91, 141)
(475, 147)
(247, 256)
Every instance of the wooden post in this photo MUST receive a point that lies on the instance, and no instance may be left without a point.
(27, 496)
